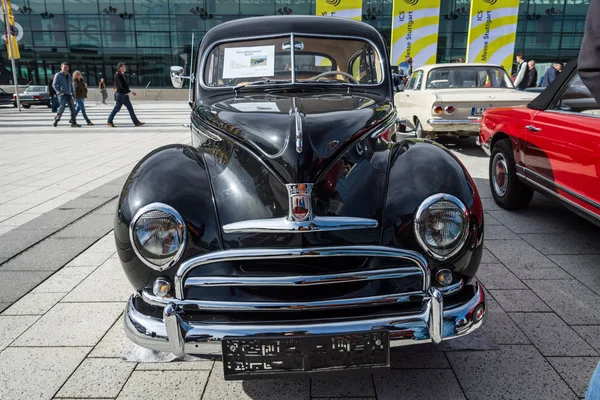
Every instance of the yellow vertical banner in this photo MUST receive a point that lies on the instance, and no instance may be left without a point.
(492, 32)
(415, 31)
(9, 31)
(351, 9)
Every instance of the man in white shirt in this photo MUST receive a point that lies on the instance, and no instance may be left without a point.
(522, 73)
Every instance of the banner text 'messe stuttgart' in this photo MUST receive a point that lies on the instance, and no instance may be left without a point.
(492, 32)
(415, 31)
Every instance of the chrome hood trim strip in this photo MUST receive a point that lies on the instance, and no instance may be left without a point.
(284, 225)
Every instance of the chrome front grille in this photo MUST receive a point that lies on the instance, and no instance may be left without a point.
(327, 290)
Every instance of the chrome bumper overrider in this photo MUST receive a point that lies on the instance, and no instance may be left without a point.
(178, 334)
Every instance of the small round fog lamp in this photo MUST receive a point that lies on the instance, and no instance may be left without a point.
(161, 287)
(444, 277)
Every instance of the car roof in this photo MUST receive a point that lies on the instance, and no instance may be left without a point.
(286, 24)
(429, 67)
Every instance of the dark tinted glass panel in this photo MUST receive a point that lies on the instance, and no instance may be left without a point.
(114, 40)
(78, 22)
(153, 39)
(151, 23)
(49, 39)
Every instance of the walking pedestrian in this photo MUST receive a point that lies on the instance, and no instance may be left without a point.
(80, 92)
(122, 97)
(522, 78)
(102, 87)
(63, 85)
(52, 92)
(551, 74)
(532, 74)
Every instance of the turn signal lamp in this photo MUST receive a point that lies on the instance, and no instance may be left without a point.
(438, 110)
(161, 287)
(444, 277)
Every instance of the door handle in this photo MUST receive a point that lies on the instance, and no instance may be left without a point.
(533, 128)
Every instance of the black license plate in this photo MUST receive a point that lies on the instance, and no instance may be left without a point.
(245, 357)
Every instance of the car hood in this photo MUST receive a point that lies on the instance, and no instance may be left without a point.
(484, 95)
(296, 135)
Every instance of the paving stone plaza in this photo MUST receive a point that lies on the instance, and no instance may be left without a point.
(64, 291)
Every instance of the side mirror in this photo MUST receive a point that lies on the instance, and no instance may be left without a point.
(177, 76)
(565, 108)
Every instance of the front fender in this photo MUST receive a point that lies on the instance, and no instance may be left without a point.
(175, 175)
(419, 169)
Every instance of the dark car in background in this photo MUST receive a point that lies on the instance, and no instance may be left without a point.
(296, 234)
(33, 96)
(5, 97)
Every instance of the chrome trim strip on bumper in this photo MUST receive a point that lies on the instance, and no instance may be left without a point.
(435, 122)
(273, 254)
(210, 305)
(284, 225)
(435, 323)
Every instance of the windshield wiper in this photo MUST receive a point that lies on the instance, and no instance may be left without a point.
(261, 82)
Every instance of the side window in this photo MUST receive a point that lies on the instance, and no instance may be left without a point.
(415, 81)
(576, 97)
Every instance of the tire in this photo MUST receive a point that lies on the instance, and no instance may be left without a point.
(420, 133)
(507, 189)
(26, 105)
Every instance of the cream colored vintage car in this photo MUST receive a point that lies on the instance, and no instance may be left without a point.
(449, 99)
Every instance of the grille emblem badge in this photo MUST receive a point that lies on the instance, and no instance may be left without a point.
(300, 208)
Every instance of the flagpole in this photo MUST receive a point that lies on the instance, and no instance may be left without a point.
(12, 53)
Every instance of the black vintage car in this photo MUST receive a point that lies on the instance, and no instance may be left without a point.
(296, 234)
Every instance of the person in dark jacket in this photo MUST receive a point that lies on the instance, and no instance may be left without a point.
(80, 92)
(588, 62)
(63, 85)
(122, 97)
(52, 92)
(551, 74)
(532, 75)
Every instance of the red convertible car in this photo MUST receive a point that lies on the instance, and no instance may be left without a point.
(552, 145)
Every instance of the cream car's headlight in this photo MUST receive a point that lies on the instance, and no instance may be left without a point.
(158, 235)
(441, 225)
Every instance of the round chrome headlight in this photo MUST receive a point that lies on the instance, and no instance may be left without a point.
(158, 235)
(441, 225)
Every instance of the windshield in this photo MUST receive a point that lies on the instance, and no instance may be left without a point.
(35, 89)
(468, 77)
(269, 61)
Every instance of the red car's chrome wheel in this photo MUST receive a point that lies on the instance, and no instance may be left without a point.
(500, 176)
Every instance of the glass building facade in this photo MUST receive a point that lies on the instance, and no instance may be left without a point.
(152, 35)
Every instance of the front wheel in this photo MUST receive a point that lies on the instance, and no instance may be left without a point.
(421, 134)
(508, 191)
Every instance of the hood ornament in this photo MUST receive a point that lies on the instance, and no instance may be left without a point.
(300, 201)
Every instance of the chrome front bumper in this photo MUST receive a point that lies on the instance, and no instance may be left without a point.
(180, 335)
